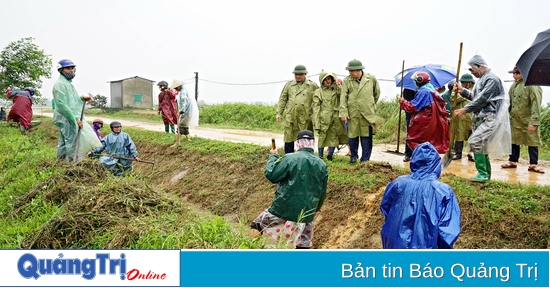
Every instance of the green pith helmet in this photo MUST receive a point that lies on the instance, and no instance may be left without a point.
(467, 78)
(355, 65)
(300, 69)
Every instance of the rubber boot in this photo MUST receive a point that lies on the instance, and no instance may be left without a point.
(488, 161)
(481, 166)
(330, 153)
(172, 129)
(166, 128)
(321, 152)
(459, 145)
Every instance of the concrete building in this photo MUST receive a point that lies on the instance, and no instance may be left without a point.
(133, 92)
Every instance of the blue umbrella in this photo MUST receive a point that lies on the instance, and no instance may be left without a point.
(439, 75)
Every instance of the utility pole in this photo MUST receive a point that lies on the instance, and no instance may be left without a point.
(197, 87)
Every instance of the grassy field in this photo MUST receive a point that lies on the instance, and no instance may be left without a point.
(204, 194)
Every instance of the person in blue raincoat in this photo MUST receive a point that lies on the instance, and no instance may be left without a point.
(117, 144)
(421, 212)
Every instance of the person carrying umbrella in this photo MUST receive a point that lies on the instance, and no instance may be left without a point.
(524, 121)
(491, 126)
(429, 117)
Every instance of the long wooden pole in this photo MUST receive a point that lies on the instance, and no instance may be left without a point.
(448, 157)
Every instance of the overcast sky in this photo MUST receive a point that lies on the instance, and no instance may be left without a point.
(261, 41)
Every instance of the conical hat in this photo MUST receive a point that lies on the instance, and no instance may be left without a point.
(176, 83)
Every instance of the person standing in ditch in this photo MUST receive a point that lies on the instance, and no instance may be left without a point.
(420, 211)
(326, 102)
(525, 110)
(301, 179)
(295, 106)
(464, 124)
(359, 94)
(491, 126)
(118, 144)
(167, 107)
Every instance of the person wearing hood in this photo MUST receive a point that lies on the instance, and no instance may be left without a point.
(118, 144)
(360, 93)
(525, 112)
(326, 122)
(429, 121)
(420, 211)
(301, 179)
(489, 104)
(67, 116)
(21, 111)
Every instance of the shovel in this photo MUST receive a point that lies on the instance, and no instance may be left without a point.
(447, 159)
(399, 121)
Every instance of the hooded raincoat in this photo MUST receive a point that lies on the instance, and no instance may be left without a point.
(326, 122)
(463, 128)
(428, 120)
(420, 211)
(524, 111)
(68, 107)
(295, 107)
(21, 111)
(301, 179)
(117, 144)
(491, 123)
(358, 100)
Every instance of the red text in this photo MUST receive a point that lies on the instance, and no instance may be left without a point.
(134, 274)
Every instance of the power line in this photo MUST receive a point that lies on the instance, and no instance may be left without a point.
(251, 84)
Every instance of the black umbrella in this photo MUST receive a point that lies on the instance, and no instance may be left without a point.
(534, 63)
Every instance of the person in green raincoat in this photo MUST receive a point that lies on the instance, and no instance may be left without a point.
(358, 98)
(463, 128)
(67, 116)
(295, 106)
(525, 107)
(326, 122)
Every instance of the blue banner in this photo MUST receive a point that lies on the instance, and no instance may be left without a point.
(364, 268)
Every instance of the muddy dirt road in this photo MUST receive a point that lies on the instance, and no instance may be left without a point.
(461, 168)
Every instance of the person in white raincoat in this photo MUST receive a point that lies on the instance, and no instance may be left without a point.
(185, 109)
(66, 116)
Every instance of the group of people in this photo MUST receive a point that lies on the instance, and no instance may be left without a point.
(420, 211)
(339, 113)
(176, 108)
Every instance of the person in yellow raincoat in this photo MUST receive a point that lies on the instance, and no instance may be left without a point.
(464, 124)
(358, 98)
(525, 107)
(295, 106)
(67, 116)
(328, 126)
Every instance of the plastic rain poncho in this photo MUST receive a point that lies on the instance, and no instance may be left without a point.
(21, 111)
(68, 107)
(184, 106)
(121, 145)
(421, 212)
(491, 124)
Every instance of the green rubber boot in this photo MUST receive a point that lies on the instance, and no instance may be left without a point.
(172, 129)
(481, 166)
(166, 128)
(488, 161)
